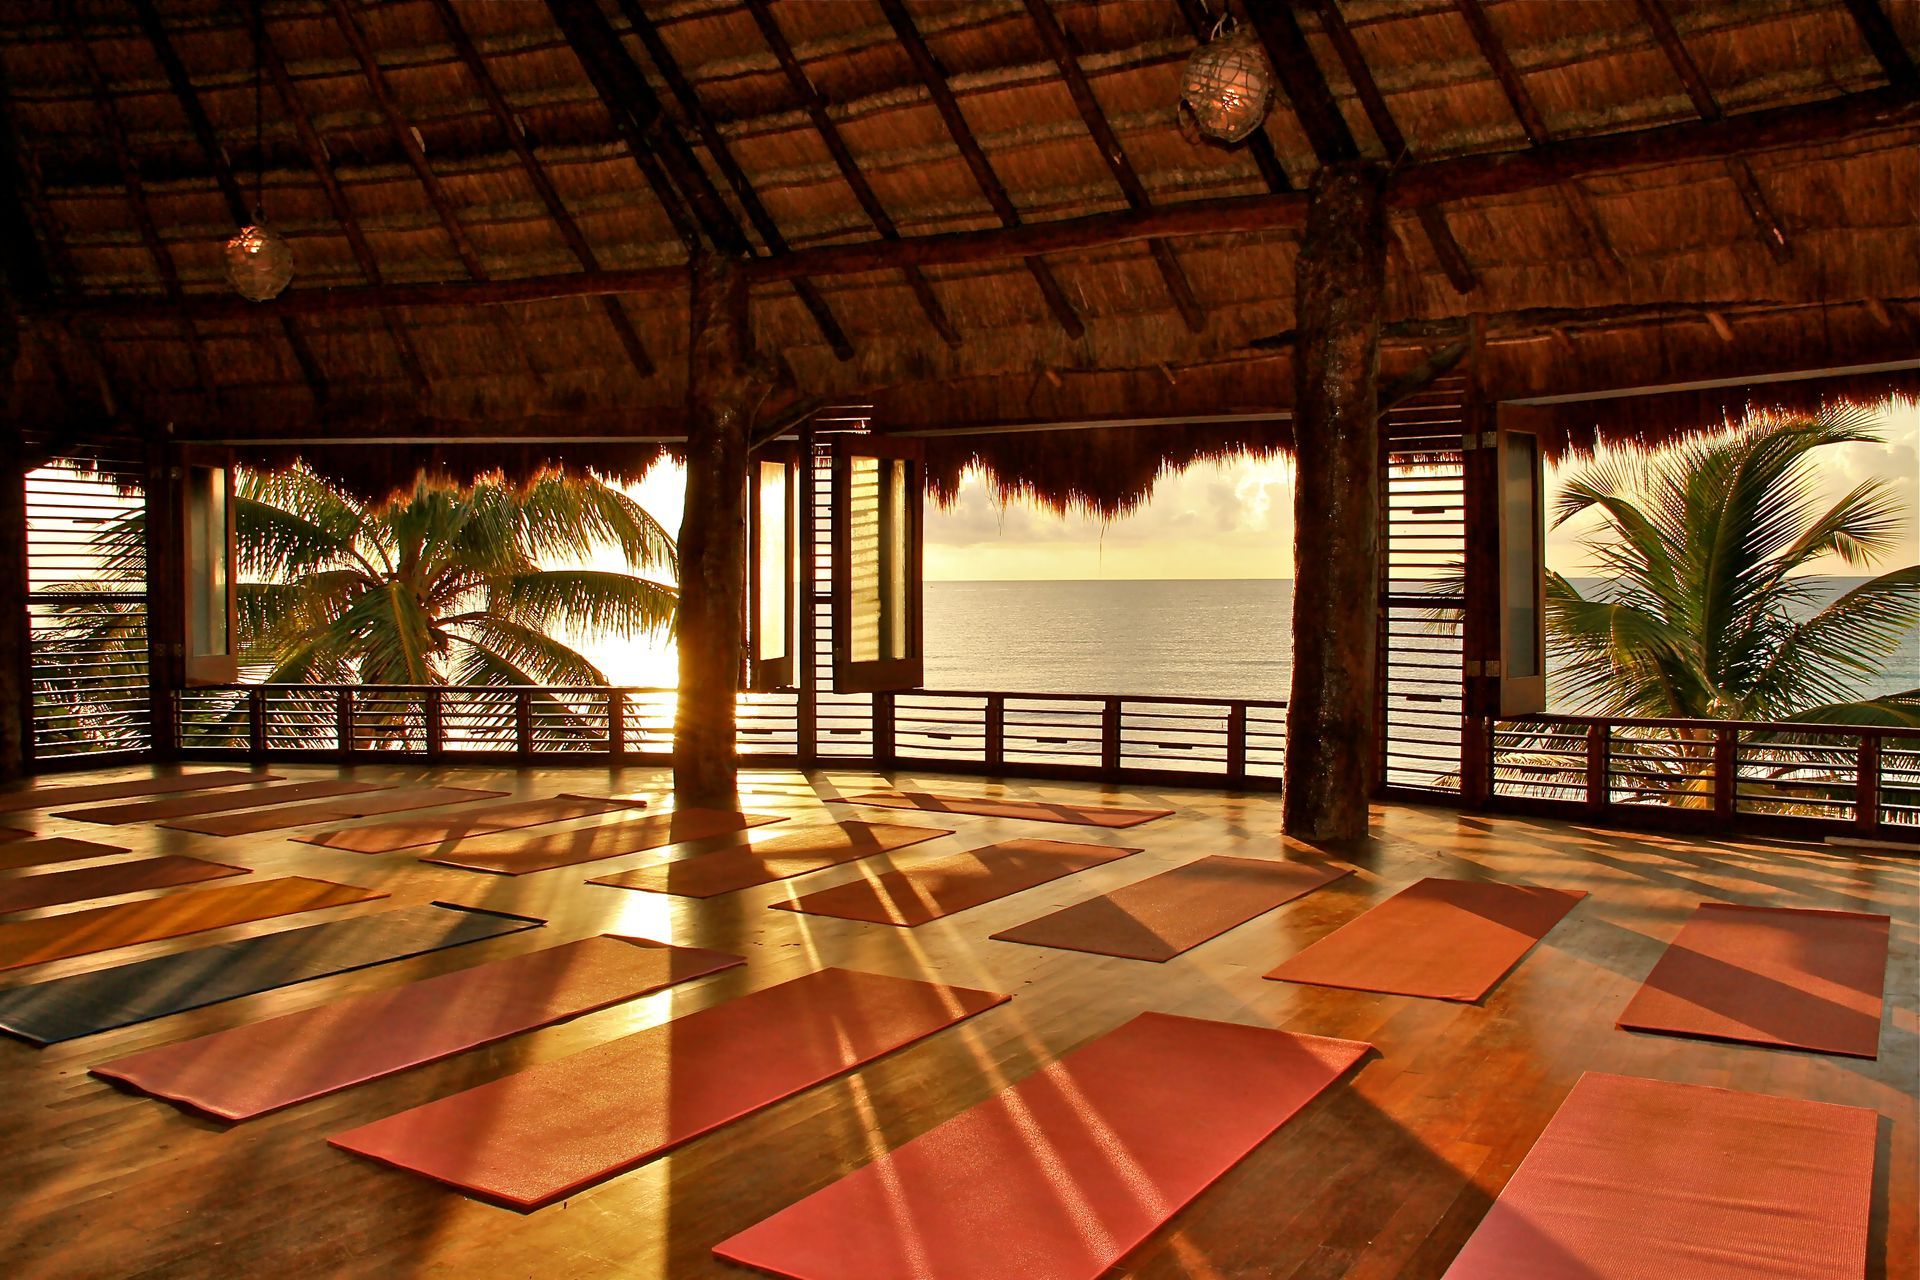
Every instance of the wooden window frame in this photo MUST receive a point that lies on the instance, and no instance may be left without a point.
(768, 674)
(201, 669)
(1521, 695)
(882, 675)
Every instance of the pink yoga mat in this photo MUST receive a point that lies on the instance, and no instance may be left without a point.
(414, 833)
(1084, 815)
(250, 1070)
(781, 857)
(518, 853)
(1060, 1176)
(220, 801)
(955, 883)
(86, 793)
(385, 800)
(52, 849)
(1645, 1180)
(56, 888)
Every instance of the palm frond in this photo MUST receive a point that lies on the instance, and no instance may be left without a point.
(584, 600)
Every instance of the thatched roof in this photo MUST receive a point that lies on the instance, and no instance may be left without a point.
(422, 156)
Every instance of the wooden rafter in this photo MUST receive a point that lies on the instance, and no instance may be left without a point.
(1766, 222)
(1108, 143)
(764, 226)
(1452, 258)
(1301, 80)
(935, 78)
(536, 174)
(816, 109)
(1877, 29)
(1259, 145)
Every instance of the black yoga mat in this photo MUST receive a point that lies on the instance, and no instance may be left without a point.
(44, 1013)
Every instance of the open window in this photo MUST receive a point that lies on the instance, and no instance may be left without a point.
(1522, 569)
(878, 490)
(207, 514)
(773, 569)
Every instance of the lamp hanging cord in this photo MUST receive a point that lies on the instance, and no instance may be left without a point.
(259, 110)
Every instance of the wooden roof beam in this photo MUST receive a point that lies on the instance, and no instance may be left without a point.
(768, 230)
(935, 78)
(1301, 80)
(1068, 60)
(1452, 258)
(1877, 29)
(816, 108)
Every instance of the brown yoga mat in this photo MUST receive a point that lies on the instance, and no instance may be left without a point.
(9, 834)
(514, 853)
(741, 866)
(250, 1070)
(300, 815)
(954, 883)
(1158, 918)
(1446, 939)
(1642, 1180)
(412, 833)
(1770, 975)
(528, 1139)
(1085, 815)
(79, 933)
(56, 888)
(1060, 1176)
(48, 797)
(38, 853)
(221, 802)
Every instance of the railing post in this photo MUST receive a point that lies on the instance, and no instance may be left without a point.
(883, 748)
(1110, 736)
(1237, 743)
(1599, 743)
(1726, 771)
(1476, 761)
(523, 725)
(994, 748)
(343, 720)
(617, 727)
(436, 725)
(257, 723)
(1866, 786)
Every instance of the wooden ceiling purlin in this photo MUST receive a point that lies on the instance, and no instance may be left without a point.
(1878, 32)
(1067, 58)
(816, 109)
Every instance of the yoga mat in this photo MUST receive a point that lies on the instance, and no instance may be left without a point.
(1158, 918)
(1770, 975)
(528, 1139)
(512, 853)
(46, 1013)
(55, 888)
(1058, 1177)
(299, 815)
(1446, 939)
(386, 837)
(220, 802)
(1645, 1180)
(9, 834)
(80, 933)
(37, 853)
(706, 875)
(249, 1070)
(954, 883)
(48, 797)
(1085, 815)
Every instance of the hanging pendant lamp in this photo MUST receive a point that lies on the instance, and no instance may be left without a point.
(1227, 86)
(259, 259)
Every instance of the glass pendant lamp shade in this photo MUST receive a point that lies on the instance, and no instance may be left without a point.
(259, 261)
(1227, 88)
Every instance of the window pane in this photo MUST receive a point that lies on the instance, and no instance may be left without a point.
(770, 628)
(1520, 575)
(899, 549)
(863, 560)
(207, 562)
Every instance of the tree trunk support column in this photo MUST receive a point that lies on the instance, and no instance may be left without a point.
(1333, 710)
(713, 535)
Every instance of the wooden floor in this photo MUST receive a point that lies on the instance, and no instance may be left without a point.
(1382, 1178)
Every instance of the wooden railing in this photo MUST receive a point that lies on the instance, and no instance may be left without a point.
(1711, 774)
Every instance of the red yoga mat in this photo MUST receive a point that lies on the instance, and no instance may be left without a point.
(79, 933)
(1085, 815)
(412, 833)
(1445, 939)
(513, 853)
(49, 849)
(300, 815)
(1645, 1180)
(1770, 975)
(554, 1129)
(1159, 918)
(221, 801)
(250, 1070)
(55, 888)
(955, 883)
(707, 875)
(1060, 1176)
(48, 797)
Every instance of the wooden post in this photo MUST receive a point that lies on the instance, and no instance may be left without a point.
(1110, 738)
(1599, 746)
(885, 753)
(713, 534)
(166, 598)
(1332, 711)
(1866, 786)
(1726, 772)
(993, 748)
(16, 684)
(1237, 745)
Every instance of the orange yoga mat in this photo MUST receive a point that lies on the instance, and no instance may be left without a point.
(1085, 815)
(741, 866)
(38, 853)
(1158, 918)
(299, 815)
(54, 888)
(250, 1070)
(48, 797)
(514, 853)
(79, 933)
(1060, 1176)
(1446, 939)
(528, 1139)
(955, 883)
(221, 801)
(10, 834)
(1770, 975)
(412, 833)
(1646, 1180)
